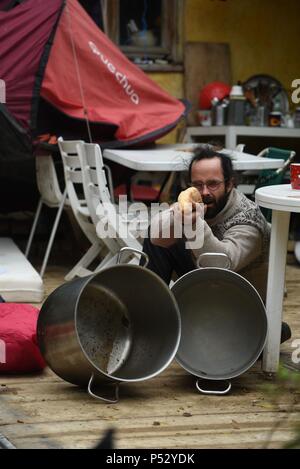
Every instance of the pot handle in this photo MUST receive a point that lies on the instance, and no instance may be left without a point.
(137, 251)
(213, 259)
(211, 391)
(96, 396)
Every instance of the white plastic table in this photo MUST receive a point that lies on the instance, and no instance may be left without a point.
(177, 157)
(282, 200)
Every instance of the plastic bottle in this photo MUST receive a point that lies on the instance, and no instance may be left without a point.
(236, 108)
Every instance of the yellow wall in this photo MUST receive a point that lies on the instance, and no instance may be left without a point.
(264, 35)
(173, 83)
(264, 38)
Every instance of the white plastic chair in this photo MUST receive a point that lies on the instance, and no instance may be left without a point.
(104, 212)
(95, 191)
(51, 196)
(75, 191)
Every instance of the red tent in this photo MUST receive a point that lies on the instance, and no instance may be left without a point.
(64, 76)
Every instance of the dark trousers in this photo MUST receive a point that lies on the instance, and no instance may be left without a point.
(165, 261)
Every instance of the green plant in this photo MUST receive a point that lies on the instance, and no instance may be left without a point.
(287, 381)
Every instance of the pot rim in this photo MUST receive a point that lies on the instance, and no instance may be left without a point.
(176, 308)
(251, 362)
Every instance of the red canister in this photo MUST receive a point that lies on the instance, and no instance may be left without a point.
(295, 175)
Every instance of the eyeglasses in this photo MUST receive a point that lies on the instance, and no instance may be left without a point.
(211, 185)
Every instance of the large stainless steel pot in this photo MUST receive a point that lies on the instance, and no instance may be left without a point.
(223, 323)
(120, 324)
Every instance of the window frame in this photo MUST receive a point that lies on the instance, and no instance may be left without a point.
(172, 33)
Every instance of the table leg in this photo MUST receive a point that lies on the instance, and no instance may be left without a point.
(275, 288)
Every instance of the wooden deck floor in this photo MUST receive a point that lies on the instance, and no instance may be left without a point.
(42, 411)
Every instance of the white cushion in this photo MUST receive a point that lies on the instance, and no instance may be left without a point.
(19, 281)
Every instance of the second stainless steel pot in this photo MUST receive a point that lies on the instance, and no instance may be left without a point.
(223, 323)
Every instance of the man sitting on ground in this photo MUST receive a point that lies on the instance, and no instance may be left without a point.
(233, 225)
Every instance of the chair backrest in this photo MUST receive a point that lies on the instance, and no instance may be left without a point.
(94, 178)
(268, 177)
(271, 177)
(95, 186)
(75, 188)
(47, 180)
(103, 212)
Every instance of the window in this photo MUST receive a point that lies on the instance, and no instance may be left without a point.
(148, 31)
(94, 9)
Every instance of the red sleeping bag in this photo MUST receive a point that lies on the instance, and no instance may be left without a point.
(19, 352)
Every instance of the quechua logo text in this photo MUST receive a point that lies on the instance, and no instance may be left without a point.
(119, 76)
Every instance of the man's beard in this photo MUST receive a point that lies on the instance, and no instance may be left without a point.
(216, 206)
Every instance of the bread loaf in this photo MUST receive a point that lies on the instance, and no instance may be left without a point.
(187, 197)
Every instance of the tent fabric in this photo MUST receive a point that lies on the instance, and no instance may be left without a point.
(63, 74)
(8, 4)
(14, 141)
(86, 71)
(24, 32)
